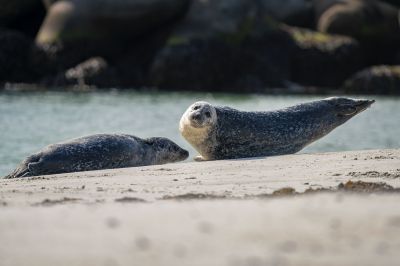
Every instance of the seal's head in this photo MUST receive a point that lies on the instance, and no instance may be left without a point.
(166, 151)
(197, 125)
(199, 115)
(347, 107)
(337, 110)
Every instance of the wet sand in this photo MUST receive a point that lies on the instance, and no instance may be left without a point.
(308, 209)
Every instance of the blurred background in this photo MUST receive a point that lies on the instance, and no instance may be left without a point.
(70, 68)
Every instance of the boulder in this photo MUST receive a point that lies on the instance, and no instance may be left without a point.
(22, 15)
(292, 12)
(321, 59)
(234, 46)
(20, 59)
(105, 26)
(126, 33)
(365, 20)
(375, 80)
(320, 6)
(395, 3)
(223, 45)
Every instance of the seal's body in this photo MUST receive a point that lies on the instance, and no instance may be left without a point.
(225, 133)
(101, 151)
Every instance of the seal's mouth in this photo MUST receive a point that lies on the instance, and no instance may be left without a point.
(196, 120)
(363, 104)
(195, 124)
(353, 108)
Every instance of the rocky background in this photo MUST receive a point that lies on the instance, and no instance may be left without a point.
(202, 45)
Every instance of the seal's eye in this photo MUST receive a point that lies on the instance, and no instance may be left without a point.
(196, 107)
(207, 114)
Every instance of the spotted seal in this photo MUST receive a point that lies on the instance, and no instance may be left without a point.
(100, 151)
(225, 133)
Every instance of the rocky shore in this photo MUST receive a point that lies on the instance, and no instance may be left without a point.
(221, 45)
(307, 209)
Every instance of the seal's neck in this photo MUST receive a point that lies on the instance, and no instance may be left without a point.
(199, 138)
(154, 157)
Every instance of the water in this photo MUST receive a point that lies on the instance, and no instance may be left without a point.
(30, 121)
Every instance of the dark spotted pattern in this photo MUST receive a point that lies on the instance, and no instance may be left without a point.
(101, 151)
(238, 134)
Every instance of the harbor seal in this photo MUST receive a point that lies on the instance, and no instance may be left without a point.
(100, 151)
(225, 133)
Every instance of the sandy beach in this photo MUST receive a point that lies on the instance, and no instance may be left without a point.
(307, 209)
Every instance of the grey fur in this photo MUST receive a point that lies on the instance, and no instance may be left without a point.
(225, 133)
(101, 151)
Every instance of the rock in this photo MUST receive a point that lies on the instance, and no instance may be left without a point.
(92, 72)
(22, 15)
(375, 80)
(20, 60)
(366, 21)
(105, 27)
(48, 3)
(293, 12)
(126, 33)
(223, 45)
(321, 59)
(395, 3)
(320, 6)
(233, 46)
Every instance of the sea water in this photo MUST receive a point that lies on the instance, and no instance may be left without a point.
(31, 120)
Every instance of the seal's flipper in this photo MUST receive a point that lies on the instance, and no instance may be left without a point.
(19, 172)
(199, 158)
(23, 169)
(34, 168)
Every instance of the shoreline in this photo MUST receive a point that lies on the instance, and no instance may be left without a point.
(229, 178)
(229, 212)
(296, 91)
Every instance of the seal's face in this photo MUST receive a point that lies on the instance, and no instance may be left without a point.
(166, 151)
(336, 110)
(200, 115)
(346, 107)
(197, 126)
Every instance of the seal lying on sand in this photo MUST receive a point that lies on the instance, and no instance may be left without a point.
(101, 151)
(225, 133)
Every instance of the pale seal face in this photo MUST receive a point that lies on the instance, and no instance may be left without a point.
(199, 115)
(197, 126)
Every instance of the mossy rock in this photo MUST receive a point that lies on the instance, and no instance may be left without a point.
(382, 79)
(237, 48)
(366, 21)
(321, 59)
(105, 28)
(223, 46)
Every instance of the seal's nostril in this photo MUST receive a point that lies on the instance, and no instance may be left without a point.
(196, 117)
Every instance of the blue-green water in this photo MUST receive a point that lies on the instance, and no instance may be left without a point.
(30, 121)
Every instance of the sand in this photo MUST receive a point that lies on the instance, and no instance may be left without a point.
(286, 210)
